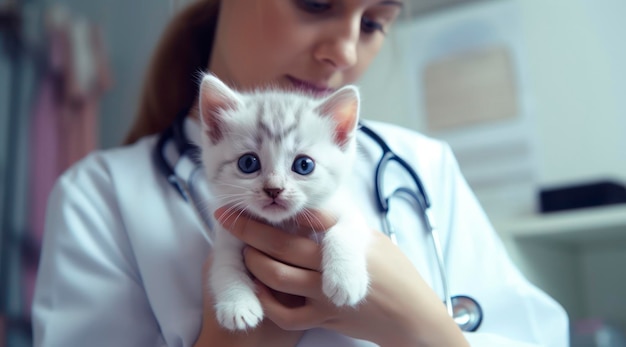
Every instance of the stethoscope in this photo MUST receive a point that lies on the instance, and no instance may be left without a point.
(465, 311)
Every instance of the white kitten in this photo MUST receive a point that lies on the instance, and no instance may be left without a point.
(277, 154)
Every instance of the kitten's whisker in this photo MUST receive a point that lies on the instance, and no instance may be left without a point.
(228, 196)
(228, 184)
(230, 211)
(233, 208)
(311, 219)
(241, 210)
(314, 221)
(239, 188)
(225, 197)
(243, 189)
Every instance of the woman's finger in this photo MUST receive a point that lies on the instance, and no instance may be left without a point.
(287, 247)
(282, 277)
(288, 318)
(207, 299)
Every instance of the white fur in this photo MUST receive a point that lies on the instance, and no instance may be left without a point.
(344, 272)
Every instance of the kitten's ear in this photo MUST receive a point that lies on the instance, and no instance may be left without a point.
(215, 97)
(343, 107)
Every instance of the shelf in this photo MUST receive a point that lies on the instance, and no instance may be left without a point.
(581, 227)
(575, 256)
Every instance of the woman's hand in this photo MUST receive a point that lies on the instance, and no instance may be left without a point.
(399, 310)
(266, 334)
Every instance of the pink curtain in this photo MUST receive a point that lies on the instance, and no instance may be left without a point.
(64, 125)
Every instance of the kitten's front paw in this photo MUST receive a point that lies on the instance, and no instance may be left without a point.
(239, 314)
(345, 287)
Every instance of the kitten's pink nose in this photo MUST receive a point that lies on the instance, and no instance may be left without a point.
(272, 192)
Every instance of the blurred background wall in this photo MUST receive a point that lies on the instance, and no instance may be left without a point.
(574, 59)
(131, 29)
(568, 77)
(70, 72)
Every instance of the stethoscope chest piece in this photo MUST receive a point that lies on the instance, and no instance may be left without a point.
(467, 313)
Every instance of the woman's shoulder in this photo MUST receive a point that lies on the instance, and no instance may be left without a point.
(107, 162)
(408, 141)
(108, 171)
(391, 131)
(121, 185)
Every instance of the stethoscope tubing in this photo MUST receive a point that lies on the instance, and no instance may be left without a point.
(388, 156)
(422, 201)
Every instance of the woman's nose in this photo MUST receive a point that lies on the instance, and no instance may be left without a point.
(338, 47)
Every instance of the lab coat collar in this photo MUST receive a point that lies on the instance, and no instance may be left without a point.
(193, 130)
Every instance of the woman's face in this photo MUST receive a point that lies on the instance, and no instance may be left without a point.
(316, 45)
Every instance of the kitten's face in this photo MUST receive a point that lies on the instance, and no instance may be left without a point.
(275, 155)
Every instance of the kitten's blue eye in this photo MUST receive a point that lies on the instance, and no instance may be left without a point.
(303, 165)
(249, 163)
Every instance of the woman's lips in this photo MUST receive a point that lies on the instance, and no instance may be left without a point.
(316, 89)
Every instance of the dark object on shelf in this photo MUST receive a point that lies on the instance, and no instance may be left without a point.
(583, 195)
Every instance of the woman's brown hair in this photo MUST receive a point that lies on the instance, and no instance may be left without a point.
(170, 86)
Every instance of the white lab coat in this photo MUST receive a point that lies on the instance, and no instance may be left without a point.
(123, 253)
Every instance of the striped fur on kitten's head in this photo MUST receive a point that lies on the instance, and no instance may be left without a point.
(275, 153)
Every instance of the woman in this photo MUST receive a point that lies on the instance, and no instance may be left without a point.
(123, 255)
